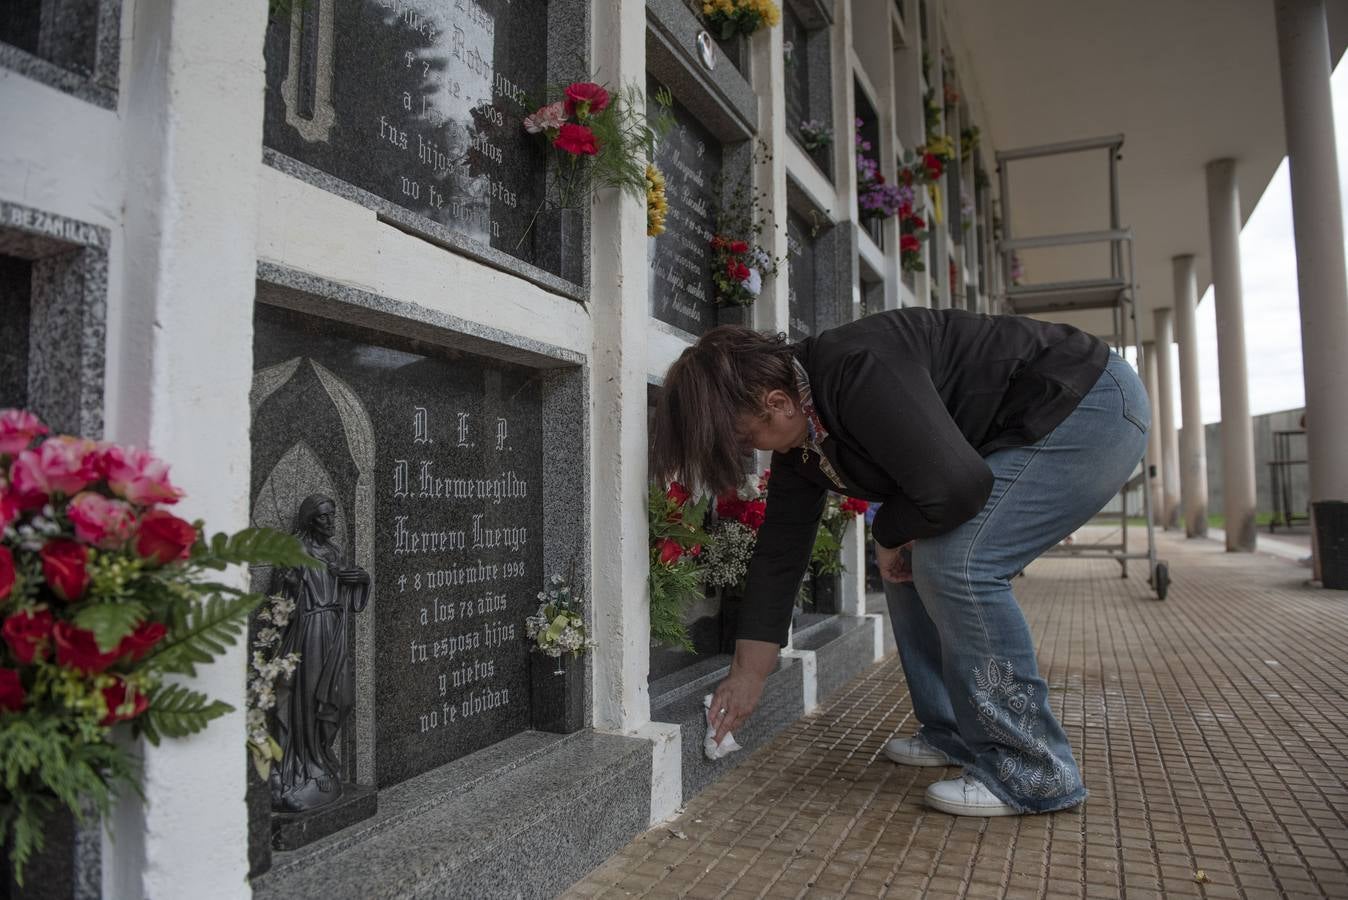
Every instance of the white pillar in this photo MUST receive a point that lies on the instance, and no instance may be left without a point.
(1147, 366)
(180, 367)
(1165, 425)
(620, 552)
(1238, 495)
(772, 310)
(1193, 453)
(1317, 215)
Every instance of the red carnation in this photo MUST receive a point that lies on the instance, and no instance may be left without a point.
(164, 538)
(736, 270)
(28, 634)
(854, 506)
(933, 164)
(677, 493)
(753, 512)
(77, 649)
(6, 572)
(586, 97)
(739, 247)
(141, 641)
(909, 243)
(11, 690)
(670, 551)
(117, 695)
(65, 566)
(576, 140)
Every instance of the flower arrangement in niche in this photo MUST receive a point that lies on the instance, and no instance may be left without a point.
(815, 135)
(739, 264)
(603, 139)
(104, 592)
(657, 203)
(557, 627)
(876, 198)
(731, 17)
(265, 670)
(912, 234)
(674, 526)
(739, 515)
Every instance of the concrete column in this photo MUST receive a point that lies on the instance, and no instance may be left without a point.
(1238, 495)
(1317, 216)
(1147, 366)
(772, 309)
(1165, 425)
(1193, 452)
(180, 368)
(618, 412)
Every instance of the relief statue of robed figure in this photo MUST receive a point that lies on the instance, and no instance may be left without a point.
(312, 708)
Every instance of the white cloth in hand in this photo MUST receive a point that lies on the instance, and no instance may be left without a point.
(709, 746)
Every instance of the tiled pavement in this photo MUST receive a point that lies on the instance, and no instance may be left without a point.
(1212, 730)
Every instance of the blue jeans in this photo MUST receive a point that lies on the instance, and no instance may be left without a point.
(966, 649)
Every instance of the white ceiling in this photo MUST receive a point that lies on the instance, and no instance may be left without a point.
(1185, 81)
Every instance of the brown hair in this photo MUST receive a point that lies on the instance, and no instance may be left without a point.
(712, 383)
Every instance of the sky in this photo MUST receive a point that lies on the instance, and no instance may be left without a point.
(1269, 277)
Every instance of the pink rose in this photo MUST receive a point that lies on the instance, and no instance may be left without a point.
(107, 524)
(60, 465)
(547, 118)
(137, 475)
(17, 429)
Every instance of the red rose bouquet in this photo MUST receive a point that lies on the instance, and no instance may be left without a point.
(677, 540)
(739, 515)
(103, 593)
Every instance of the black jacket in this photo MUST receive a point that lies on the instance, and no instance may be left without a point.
(913, 400)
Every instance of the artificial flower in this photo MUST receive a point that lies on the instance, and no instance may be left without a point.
(137, 475)
(107, 524)
(670, 551)
(65, 566)
(7, 576)
(17, 429)
(164, 538)
(60, 465)
(77, 649)
(678, 493)
(28, 634)
(124, 702)
(11, 690)
(754, 283)
(585, 98)
(141, 640)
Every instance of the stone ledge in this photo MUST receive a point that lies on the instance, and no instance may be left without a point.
(523, 818)
(844, 647)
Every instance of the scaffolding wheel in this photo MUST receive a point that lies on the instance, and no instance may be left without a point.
(1160, 580)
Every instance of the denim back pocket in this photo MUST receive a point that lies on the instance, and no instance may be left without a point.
(1136, 407)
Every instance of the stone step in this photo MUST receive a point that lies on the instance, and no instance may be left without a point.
(520, 819)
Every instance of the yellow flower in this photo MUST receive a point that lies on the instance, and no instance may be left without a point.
(657, 207)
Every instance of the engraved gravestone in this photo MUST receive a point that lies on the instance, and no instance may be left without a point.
(421, 104)
(801, 303)
(681, 289)
(795, 49)
(432, 459)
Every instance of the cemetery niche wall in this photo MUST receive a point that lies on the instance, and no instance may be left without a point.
(416, 110)
(426, 464)
(71, 45)
(681, 288)
(809, 83)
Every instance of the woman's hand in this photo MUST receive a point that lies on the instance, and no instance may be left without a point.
(896, 564)
(737, 697)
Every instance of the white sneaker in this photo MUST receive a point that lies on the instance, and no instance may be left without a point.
(965, 796)
(915, 751)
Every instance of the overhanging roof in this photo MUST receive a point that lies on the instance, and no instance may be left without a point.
(1185, 82)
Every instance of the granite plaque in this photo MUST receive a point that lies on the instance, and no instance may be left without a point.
(800, 278)
(16, 280)
(422, 104)
(434, 459)
(681, 289)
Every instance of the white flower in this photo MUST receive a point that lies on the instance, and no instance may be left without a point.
(547, 118)
(754, 284)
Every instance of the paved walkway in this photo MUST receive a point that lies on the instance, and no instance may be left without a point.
(1212, 730)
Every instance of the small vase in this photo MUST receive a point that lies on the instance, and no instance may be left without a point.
(69, 866)
(557, 692)
(559, 243)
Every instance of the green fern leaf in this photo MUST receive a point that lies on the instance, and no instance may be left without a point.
(201, 632)
(176, 711)
(110, 622)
